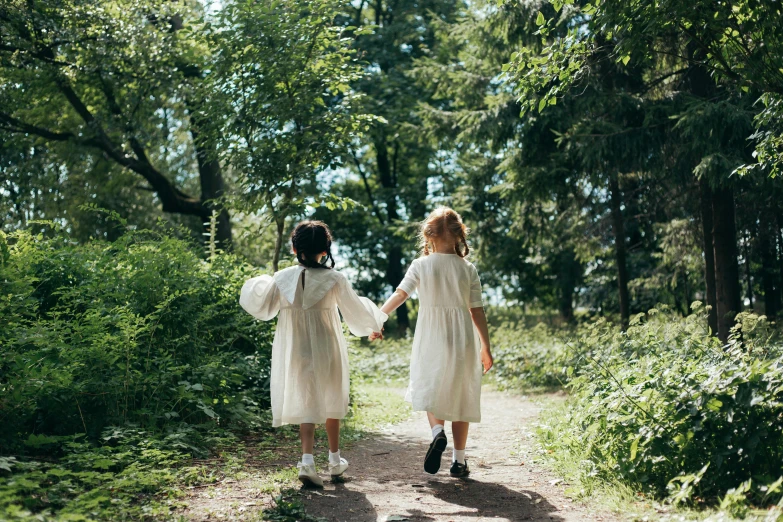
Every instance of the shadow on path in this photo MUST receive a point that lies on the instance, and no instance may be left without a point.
(486, 499)
(386, 479)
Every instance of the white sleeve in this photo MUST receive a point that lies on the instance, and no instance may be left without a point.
(362, 316)
(475, 289)
(411, 280)
(260, 297)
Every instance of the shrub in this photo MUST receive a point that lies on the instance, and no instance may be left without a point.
(664, 407)
(531, 358)
(141, 331)
(386, 361)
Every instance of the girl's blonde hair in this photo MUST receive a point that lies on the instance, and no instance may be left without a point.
(444, 222)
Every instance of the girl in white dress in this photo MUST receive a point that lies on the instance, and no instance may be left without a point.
(309, 380)
(451, 343)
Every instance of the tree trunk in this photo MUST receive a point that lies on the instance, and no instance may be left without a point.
(748, 278)
(568, 273)
(768, 271)
(280, 224)
(779, 238)
(724, 236)
(212, 188)
(618, 227)
(394, 268)
(211, 180)
(709, 254)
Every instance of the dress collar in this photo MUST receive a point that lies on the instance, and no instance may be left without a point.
(317, 283)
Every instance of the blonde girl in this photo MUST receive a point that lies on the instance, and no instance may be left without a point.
(451, 342)
(309, 379)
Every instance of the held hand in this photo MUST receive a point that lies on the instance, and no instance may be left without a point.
(486, 359)
(376, 335)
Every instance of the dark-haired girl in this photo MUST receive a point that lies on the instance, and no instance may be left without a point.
(309, 381)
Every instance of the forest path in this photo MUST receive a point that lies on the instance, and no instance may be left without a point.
(386, 480)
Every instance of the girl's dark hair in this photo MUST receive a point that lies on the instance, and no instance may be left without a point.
(309, 239)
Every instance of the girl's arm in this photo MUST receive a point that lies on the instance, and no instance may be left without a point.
(260, 298)
(480, 320)
(359, 313)
(394, 302)
(391, 304)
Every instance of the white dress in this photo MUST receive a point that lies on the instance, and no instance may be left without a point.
(309, 381)
(446, 366)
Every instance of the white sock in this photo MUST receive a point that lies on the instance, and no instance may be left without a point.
(334, 458)
(436, 429)
(307, 459)
(459, 456)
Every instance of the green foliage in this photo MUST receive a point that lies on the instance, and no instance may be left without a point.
(280, 102)
(530, 358)
(123, 477)
(386, 361)
(98, 97)
(140, 331)
(289, 508)
(668, 410)
(122, 361)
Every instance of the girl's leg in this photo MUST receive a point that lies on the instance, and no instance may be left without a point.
(434, 421)
(307, 436)
(308, 475)
(333, 434)
(337, 464)
(459, 431)
(438, 444)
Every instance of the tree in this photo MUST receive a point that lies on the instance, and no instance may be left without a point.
(281, 102)
(392, 164)
(116, 80)
(679, 45)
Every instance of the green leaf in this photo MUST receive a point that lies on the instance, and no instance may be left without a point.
(714, 404)
(634, 448)
(626, 59)
(541, 104)
(540, 20)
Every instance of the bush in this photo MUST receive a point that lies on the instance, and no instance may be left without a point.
(667, 409)
(536, 357)
(386, 361)
(141, 332)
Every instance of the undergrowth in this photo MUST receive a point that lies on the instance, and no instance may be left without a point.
(121, 363)
(669, 413)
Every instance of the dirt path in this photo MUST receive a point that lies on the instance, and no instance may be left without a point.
(386, 480)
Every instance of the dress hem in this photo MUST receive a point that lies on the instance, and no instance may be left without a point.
(438, 414)
(276, 423)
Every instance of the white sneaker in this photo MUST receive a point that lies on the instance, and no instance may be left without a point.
(335, 470)
(308, 476)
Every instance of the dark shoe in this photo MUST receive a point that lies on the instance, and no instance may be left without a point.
(432, 460)
(459, 470)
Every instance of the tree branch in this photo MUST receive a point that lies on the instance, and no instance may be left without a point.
(11, 124)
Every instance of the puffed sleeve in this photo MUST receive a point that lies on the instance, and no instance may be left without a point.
(362, 316)
(475, 289)
(260, 297)
(410, 282)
